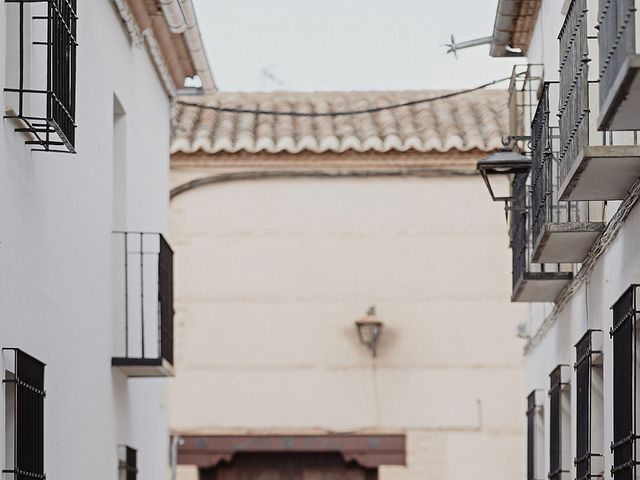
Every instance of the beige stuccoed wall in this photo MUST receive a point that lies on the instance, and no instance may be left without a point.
(270, 276)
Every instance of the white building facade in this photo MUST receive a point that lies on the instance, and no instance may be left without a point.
(574, 228)
(84, 157)
(286, 230)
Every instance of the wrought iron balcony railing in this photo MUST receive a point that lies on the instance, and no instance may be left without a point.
(143, 299)
(562, 231)
(619, 65)
(41, 72)
(524, 88)
(531, 282)
(592, 165)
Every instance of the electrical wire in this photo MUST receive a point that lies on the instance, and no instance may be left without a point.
(294, 113)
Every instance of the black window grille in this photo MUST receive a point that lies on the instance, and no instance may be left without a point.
(622, 332)
(143, 282)
(165, 299)
(46, 106)
(24, 384)
(534, 409)
(589, 454)
(558, 383)
(128, 463)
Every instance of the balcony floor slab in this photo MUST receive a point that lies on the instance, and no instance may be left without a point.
(602, 173)
(143, 367)
(540, 286)
(619, 111)
(565, 242)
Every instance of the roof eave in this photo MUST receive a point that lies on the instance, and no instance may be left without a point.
(509, 24)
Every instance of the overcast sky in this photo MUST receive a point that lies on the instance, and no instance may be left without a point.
(347, 44)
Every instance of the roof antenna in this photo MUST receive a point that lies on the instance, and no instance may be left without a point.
(453, 47)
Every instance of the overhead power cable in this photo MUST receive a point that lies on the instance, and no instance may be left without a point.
(294, 113)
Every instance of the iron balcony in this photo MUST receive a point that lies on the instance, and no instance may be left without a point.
(143, 304)
(562, 231)
(531, 282)
(593, 165)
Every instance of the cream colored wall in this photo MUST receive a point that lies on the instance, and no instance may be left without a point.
(270, 276)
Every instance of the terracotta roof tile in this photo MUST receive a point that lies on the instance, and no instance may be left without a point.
(473, 121)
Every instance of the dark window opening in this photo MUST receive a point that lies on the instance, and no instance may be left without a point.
(589, 460)
(127, 463)
(42, 98)
(24, 415)
(623, 333)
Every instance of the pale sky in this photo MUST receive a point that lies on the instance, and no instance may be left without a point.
(347, 44)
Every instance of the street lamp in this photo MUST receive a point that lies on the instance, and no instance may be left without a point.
(370, 329)
(502, 162)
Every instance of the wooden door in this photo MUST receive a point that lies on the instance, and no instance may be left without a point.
(288, 466)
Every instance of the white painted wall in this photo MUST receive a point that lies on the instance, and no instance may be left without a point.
(590, 306)
(270, 277)
(55, 254)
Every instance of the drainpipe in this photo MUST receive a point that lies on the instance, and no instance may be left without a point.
(181, 18)
(176, 441)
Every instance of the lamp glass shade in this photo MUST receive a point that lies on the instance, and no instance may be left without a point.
(369, 331)
(502, 163)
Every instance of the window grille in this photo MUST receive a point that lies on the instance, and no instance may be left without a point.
(589, 460)
(165, 299)
(625, 435)
(24, 389)
(558, 444)
(143, 289)
(127, 463)
(535, 458)
(45, 97)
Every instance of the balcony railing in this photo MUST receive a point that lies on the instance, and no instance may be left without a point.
(524, 88)
(619, 64)
(143, 299)
(553, 219)
(592, 165)
(531, 282)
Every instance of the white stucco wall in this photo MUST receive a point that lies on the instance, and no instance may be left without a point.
(270, 277)
(614, 271)
(55, 255)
